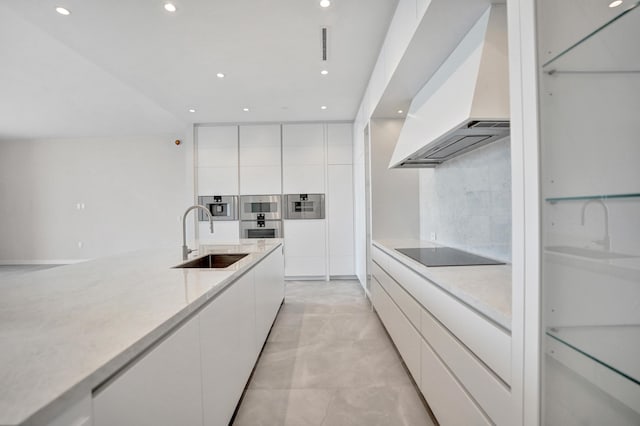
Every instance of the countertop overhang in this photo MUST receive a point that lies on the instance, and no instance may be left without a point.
(484, 288)
(66, 330)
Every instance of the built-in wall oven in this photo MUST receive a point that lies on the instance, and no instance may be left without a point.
(261, 229)
(221, 207)
(260, 216)
(304, 206)
(268, 207)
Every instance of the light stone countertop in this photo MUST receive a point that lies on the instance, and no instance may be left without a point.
(485, 288)
(65, 330)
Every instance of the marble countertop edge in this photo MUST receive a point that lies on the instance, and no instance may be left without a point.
(499, 315)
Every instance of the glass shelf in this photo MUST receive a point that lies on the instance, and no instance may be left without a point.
(615, 347)
(614, 42)
(554, 200)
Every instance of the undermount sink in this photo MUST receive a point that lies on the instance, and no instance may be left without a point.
(584, 252)
(214, 261)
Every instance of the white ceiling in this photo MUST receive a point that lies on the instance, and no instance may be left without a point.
(129, 67)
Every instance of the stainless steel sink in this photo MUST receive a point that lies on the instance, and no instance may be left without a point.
(212, 261)
(584, 252)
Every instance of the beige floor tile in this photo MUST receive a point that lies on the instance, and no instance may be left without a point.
(294, 407)
(327, 348)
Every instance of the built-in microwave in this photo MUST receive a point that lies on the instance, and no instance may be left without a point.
(261, 229)
(304, 206)
(221, 207)
(265, 207)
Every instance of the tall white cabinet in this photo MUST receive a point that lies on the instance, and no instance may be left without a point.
(217, 172)
(340, 200)
(260, 160)
(304, 171)
(290, 158)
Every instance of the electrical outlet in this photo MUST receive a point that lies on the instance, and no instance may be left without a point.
(433, 236)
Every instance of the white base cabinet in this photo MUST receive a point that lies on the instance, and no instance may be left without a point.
(162, 388)
(197, 373)
(305, 247)
(228, 346)
(453, 369)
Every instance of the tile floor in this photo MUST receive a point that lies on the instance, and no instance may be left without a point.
(328, 361)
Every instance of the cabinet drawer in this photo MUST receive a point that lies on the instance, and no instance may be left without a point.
(380, 257)
(404, 335)
(489, 342)
(445, 396)
(491, 394)
(405, 302)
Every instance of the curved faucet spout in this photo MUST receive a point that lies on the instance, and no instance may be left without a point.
(186, 250)
(606, 240)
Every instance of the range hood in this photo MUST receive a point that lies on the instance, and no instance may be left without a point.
(465, 105)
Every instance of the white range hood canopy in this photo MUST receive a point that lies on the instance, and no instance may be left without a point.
(465, 104)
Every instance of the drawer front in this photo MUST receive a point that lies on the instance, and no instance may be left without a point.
(405, 302)
(488, 391)
(380, 257)
(445, 396)
(404, 335)
(486, 340)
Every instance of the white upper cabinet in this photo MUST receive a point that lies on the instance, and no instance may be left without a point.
(217, 160)
(340, 143)
(260, 160)
(304, 158)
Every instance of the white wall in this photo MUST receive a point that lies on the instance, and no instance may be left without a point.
(466, 201)
(394, 192)
(133, 191)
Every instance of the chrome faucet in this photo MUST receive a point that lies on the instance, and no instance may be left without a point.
(186, 250)
(605, 242)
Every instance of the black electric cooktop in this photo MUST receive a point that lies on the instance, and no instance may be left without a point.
(446, 256)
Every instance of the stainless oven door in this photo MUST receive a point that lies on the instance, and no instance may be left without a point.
(304, 206)
(267, 207)
(261, 229)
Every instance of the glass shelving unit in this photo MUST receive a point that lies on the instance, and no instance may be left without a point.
(590, 110)
(605, 50)
(603, 197)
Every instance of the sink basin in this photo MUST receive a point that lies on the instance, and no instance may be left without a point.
(213, 261)
(583, 252)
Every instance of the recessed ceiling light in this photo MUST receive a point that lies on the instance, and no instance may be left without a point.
(245, 109)
(170, 7)
(324, 72)
(192, 110)
(400, 111)
(323, 107)
(615, 3)
(63, 11)
(325, 3)
(220, 75)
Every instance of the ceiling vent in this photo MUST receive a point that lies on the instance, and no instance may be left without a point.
(324, 37)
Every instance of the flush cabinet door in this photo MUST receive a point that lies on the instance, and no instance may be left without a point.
(217, 160)
(340, 220)
(229, 351)
(163, 388)
(260, 160)
(305, 248)
(269, 283)
(303, 158)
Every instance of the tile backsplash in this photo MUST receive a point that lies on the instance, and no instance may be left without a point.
(466, 202)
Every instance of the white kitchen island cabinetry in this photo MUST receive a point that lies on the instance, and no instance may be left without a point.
(196, 374)
(162, 388)
(459, 357)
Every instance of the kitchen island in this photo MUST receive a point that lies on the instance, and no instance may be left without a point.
(67, 331)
